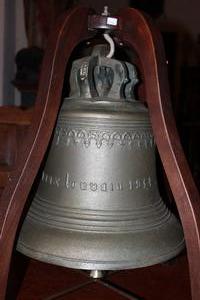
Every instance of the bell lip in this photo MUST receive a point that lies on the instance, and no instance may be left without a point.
(164, 247)
(99, 265)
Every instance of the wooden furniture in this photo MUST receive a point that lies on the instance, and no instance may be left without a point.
(136, 31)
(14, 123)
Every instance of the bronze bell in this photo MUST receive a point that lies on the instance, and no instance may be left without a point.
(98, 206)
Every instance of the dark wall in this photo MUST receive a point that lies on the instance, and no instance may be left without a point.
(154, 8)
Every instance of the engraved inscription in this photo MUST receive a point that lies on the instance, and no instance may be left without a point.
(52, 180)
(70, 183)
(67, 136)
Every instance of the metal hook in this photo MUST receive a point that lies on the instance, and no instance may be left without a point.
(108, 38)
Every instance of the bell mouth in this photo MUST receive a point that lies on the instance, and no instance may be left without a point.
(101, 251)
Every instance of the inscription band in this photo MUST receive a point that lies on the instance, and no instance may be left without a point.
(70, 183)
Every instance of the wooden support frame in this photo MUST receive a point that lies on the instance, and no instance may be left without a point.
(138, 33)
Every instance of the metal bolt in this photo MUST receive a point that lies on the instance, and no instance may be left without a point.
(96, 274)
(105, 12)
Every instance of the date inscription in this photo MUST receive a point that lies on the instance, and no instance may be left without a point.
(70, 183)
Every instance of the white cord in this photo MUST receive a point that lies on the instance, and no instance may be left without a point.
(111, 43)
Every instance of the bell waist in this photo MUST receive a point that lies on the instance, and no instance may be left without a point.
(139, 219)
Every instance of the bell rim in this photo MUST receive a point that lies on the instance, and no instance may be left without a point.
(100, 265)
(113, 251)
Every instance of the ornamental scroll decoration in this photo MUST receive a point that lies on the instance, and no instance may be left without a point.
(138, 139)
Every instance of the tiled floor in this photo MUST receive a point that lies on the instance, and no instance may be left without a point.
(168, 281)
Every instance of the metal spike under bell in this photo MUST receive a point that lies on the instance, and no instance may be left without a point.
(98, 206)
